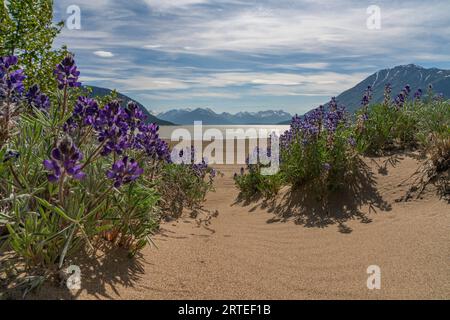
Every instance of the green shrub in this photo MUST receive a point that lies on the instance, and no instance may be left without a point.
(433, 123)
(184, 186)
(320, 150)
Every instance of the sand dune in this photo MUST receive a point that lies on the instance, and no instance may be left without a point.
(281, 250)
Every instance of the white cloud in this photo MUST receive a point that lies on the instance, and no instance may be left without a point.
(152, 46)
(313, 65)
(104, 54)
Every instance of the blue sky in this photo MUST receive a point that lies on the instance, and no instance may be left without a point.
(248, 55)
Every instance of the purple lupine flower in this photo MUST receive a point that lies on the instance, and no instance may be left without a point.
(403, 95)
(309, 127)
(65, 159)
(86, 109)
(15, 81)
(189, 151)
(124, 171)
(111, 125)
(37, 99)
(365, 117)
(327, 166)
(399, 100)
(387, 94)
(84, 113)
(367, 97)
(115, 143)
(148, 140)
(418, 94)
(67, 74)
(11, 82)
(334, 118)
(136, 116)
(6, 63)
(408, 89)
(200, 169)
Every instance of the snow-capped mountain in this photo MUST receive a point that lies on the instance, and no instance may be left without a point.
(209, 117)
(415, 76)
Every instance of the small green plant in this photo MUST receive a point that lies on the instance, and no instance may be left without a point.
(184, 186)
(252, 183)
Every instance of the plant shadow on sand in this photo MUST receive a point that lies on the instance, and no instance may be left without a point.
(100, 275)
(355, 200)
(111, 267)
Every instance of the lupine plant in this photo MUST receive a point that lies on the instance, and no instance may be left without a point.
(185, 185)
(320, 149)
(75, 173)
(390, 125)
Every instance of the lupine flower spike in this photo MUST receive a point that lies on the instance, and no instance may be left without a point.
(65, 159)
(36, 99)
(124, 171)
(67, 74)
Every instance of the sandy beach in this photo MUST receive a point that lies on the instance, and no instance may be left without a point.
(287, 249)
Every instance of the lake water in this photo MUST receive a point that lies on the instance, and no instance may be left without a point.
(167, 131)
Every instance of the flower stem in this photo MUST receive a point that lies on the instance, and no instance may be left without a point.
(64, 103)
(93, 155)
(16, 177)
(99, 199)
(61, 188)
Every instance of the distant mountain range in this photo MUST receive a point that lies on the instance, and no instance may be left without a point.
(101, 92)
(415, 76)
(209, 117)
